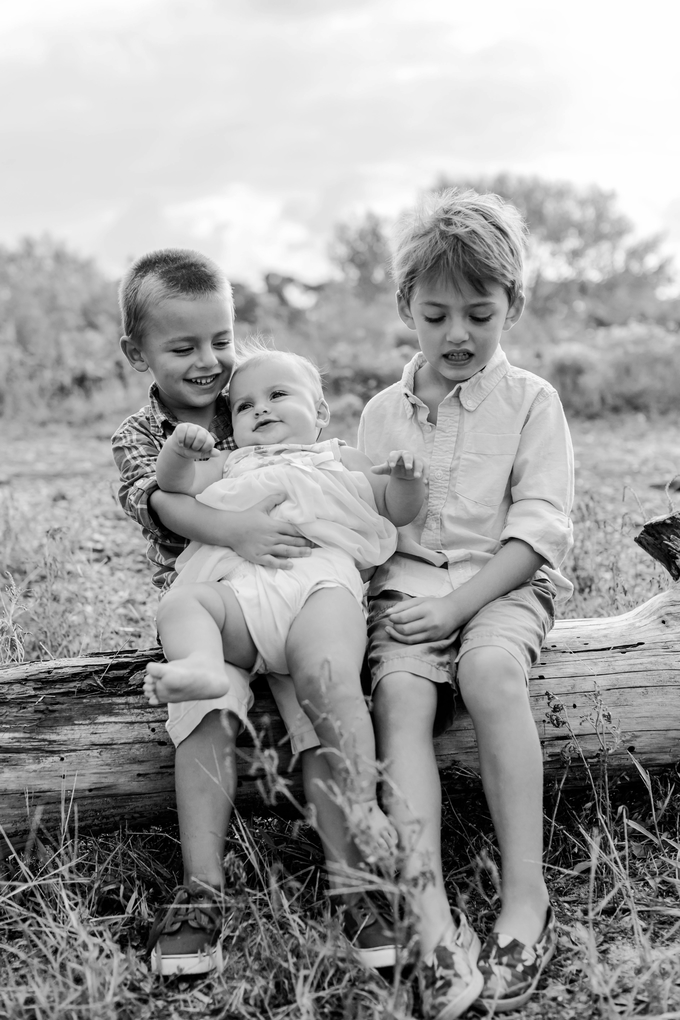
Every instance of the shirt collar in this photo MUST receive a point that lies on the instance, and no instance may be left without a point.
(471, 392)
(163, 421)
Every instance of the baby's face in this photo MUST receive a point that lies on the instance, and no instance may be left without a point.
(274, 402)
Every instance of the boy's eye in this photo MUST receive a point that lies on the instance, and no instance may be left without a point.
(481, 318)
(243, 406)
(183, 350)
(433, 318)
(221, 344)
(278, 393)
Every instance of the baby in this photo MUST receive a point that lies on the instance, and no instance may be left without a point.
(306, 621)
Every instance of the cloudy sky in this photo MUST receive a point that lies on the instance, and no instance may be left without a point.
(248, 128)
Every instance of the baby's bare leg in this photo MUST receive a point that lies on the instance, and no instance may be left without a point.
(324, 650)
(200, 625)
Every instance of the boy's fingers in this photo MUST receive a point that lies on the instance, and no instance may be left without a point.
(406, 639)
(276, 562)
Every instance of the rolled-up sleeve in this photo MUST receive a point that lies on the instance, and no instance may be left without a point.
(542, 482)
(135, 451)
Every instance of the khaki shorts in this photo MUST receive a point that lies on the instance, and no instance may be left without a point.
(185, 716)
(518, 622)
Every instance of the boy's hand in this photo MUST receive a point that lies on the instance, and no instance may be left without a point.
(401, 464)
(422, 620)
(264, 540)
(193, 442)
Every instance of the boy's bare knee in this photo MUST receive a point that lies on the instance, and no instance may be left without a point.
(402, 701)
(491, 680)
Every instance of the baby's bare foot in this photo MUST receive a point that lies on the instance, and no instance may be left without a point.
(372, 831)
(191, 679)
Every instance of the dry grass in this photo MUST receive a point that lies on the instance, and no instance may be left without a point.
(74, 909)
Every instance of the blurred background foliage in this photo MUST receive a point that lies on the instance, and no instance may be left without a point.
(602, 322)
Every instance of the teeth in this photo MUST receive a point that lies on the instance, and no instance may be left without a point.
(204, 382)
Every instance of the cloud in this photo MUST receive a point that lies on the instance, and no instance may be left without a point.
(123, 120)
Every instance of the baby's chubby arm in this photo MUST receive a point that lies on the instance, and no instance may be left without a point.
(189, 461)
(399, 484)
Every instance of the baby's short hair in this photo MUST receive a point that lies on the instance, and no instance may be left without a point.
(460, 235)
(167, 272)
(255, 350)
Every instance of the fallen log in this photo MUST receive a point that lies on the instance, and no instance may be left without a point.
(76, 734)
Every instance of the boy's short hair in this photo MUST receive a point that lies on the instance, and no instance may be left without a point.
(167, 272)
(254, 350)
(453, 235)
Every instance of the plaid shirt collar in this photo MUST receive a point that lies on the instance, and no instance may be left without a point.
(162, 421)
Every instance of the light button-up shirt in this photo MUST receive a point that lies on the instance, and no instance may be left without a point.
(500, 464)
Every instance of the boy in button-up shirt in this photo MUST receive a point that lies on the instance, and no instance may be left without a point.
(465, 604)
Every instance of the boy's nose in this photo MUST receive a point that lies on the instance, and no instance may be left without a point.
(207, 357)
(457, 332)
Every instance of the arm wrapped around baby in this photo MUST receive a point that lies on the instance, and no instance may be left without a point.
(330, 505)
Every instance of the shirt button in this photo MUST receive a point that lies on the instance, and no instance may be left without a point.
(439, 474)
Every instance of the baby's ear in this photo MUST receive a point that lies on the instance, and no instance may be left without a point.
(323, 414)
(134, 354)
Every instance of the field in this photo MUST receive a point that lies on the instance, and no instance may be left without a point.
(74, 909)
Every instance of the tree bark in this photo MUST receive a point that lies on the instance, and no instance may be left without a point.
(660, 537)
(79, 742)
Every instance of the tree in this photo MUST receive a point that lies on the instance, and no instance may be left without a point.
(583, 256)
(59, 325)
(361, 253)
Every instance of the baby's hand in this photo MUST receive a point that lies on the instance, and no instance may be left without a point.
(402, 464)
(193, 442)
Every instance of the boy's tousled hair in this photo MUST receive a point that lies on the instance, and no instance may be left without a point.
(457, 235)
(254, 350)
(167, 272)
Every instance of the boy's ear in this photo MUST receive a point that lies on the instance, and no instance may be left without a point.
(323, 414)
(404, 310)
(133, 354)
(514, 311)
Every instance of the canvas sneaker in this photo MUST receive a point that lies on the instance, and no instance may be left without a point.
(448, 978)
(370, 935)
(185, 934)
(511, 970)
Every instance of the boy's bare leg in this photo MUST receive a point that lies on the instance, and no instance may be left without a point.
(404, 708)
(493, 687)
(330, 822)
(205, 785)
(200, 625)
(324, 650)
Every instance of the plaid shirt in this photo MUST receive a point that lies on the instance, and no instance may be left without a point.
(136, 445)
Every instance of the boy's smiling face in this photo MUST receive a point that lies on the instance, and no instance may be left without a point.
(188, 345)
(458, 329)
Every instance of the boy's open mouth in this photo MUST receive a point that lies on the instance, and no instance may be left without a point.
(459, 356)
(206, 380)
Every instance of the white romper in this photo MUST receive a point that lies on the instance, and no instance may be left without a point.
(329, 504)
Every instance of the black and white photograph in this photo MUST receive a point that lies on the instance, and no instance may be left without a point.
(339, 510)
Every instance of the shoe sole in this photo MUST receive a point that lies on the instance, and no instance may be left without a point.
(505, 1005)
(173, 965)
(465, 1000)
(378, 958)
